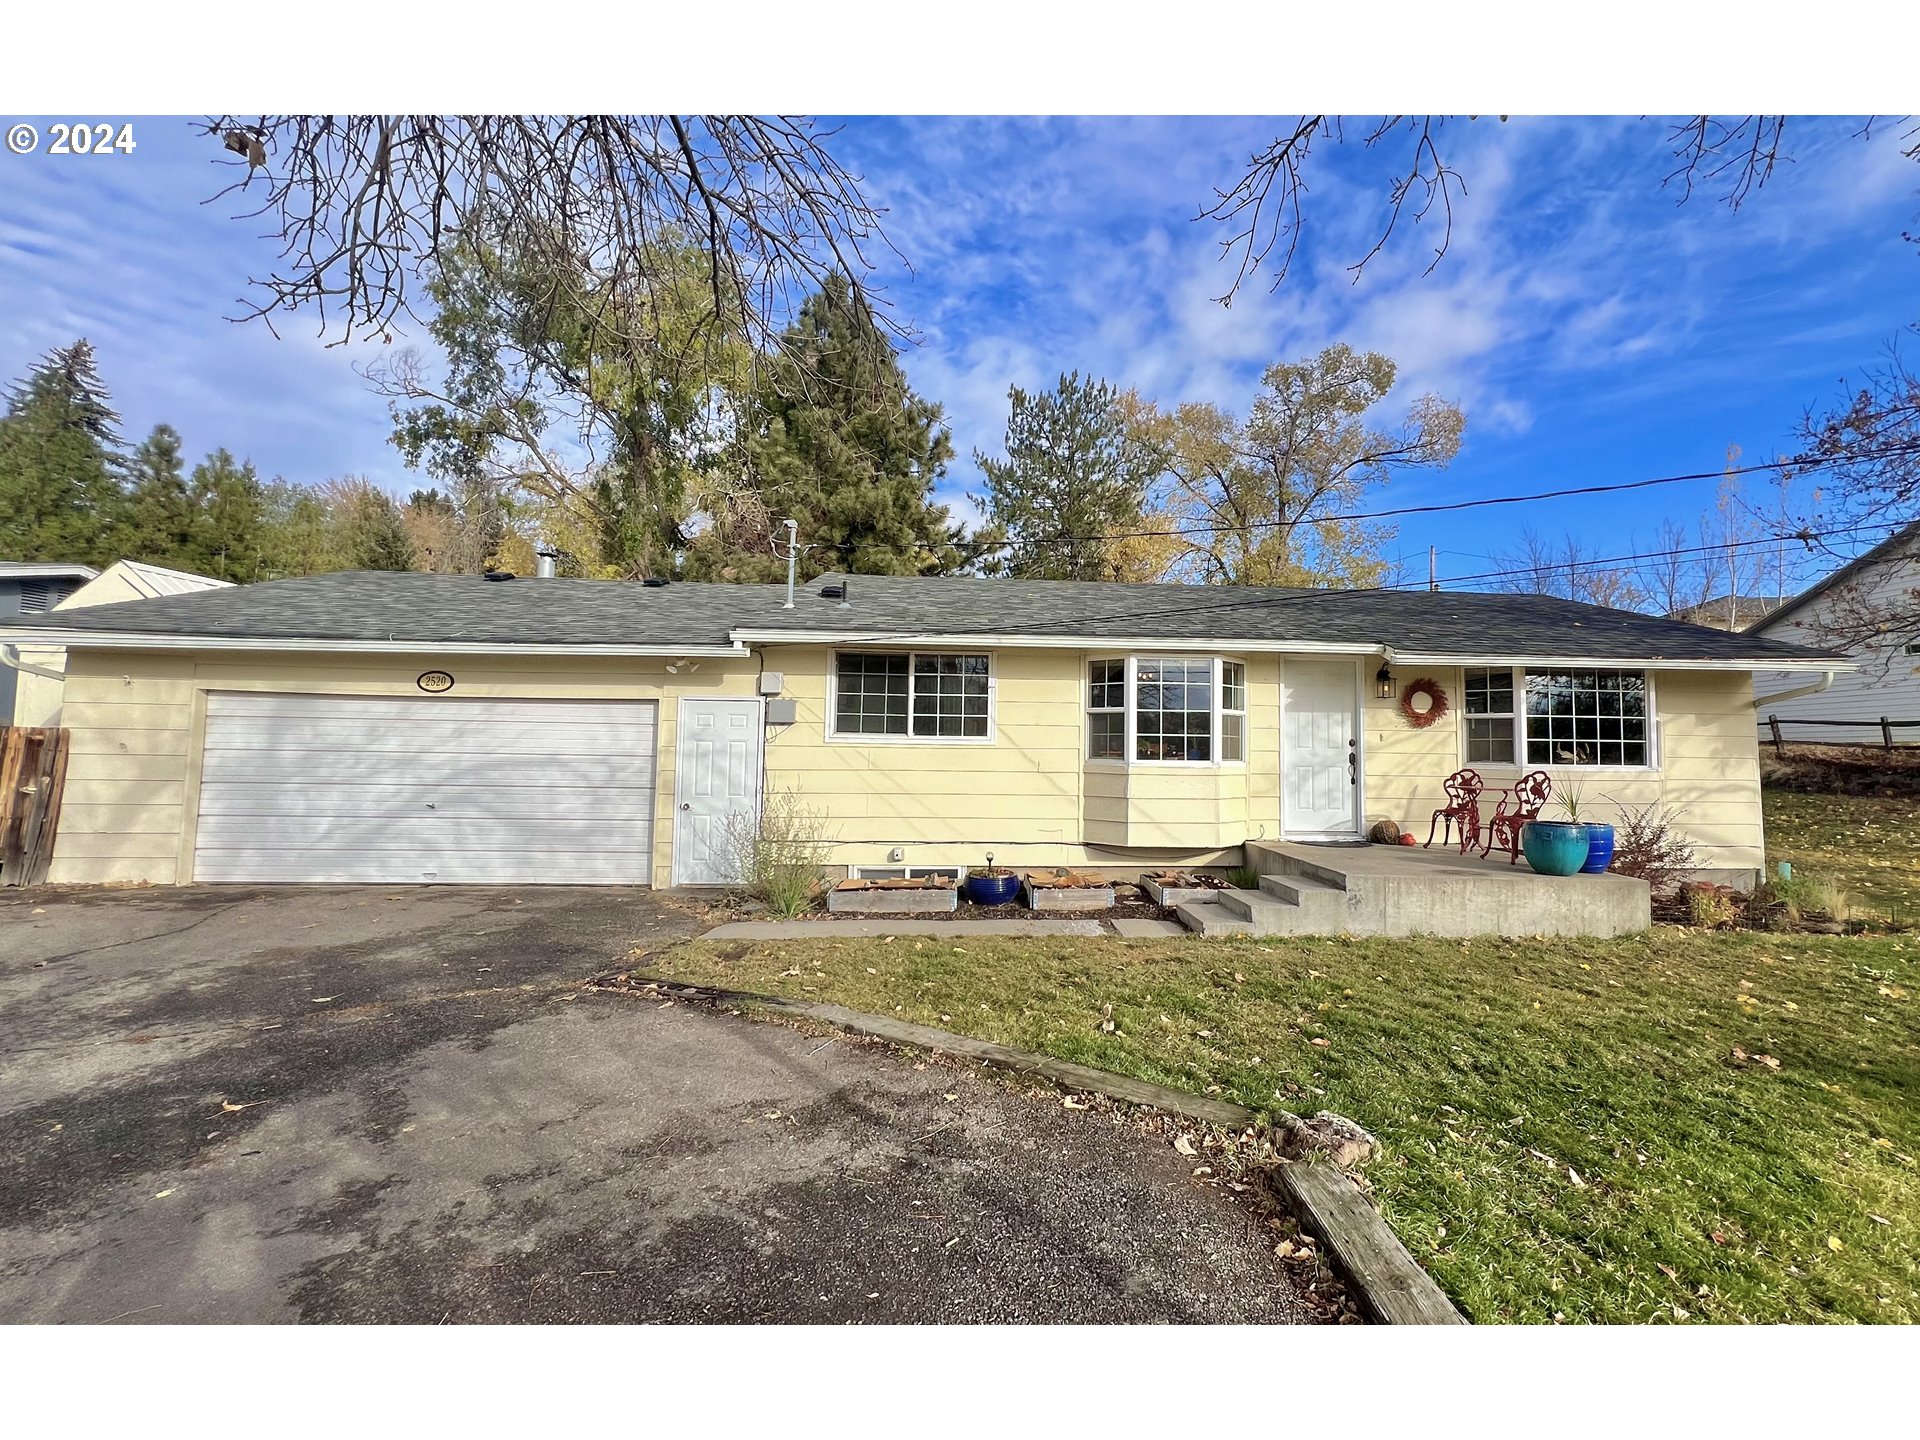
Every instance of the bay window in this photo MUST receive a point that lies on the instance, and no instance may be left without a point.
(1182, 711)
(1564, 718)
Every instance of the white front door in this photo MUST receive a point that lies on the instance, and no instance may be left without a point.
(716, 786)
(1320, 748)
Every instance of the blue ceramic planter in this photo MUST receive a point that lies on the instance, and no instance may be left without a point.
(1554, 847)
(1599, 849)
(992, 889)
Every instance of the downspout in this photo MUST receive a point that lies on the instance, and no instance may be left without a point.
(1822, 683)
(10, 656)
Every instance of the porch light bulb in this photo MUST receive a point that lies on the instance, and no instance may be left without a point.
(1383, 683)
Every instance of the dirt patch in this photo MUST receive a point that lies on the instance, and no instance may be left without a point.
(1842, 769)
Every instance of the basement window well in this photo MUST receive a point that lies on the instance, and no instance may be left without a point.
(1154, 710)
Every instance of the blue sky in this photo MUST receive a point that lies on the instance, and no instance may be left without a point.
(1592, 329)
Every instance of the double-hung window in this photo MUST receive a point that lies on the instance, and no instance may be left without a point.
(1175, 711)
(917, 696)
(1564, 718)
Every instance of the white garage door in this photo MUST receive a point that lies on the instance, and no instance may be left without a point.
(406, 790)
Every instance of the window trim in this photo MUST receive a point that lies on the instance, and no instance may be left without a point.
(1518, 762)
(834, 737)
(1131, 710)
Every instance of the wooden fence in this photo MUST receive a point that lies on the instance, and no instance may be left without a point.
(1885, 726)
(33, 771)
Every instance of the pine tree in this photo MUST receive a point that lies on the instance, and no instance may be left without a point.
(229, 519)
(369, 532)
(160, 507)
(839, 441)
(60, 490)
(1076, 472)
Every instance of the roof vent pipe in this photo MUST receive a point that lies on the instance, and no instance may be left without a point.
(793, 554)
(543, 563)
(846, 593)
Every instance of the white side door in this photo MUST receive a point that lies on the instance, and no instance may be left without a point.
(716, 778)
(1320, 757)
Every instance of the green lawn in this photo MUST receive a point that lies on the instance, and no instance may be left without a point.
(1870, 844)
(1567, 1133)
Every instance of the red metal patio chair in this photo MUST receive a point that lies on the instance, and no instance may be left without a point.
(1519, 805)
(1462, 809)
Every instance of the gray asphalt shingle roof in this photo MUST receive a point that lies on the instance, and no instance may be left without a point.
(381, 606)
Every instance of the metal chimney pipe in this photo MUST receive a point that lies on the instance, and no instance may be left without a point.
(543, 564)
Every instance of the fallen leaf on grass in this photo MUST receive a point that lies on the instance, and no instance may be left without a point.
(1321, 1041)
(1833, 1243)
(1072, 1103)
(1184, 1145)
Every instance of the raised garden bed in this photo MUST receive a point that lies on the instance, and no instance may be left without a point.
(1170, 888)
(1055, 890)
(918, 895)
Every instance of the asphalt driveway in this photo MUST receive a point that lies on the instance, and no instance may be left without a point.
(397, 1104)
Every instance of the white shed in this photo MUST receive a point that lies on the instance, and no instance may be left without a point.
(41, 682)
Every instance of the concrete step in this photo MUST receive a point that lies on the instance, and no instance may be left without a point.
(1290, 862)
(1257, 907)
(1211, 919)
(1319, 908)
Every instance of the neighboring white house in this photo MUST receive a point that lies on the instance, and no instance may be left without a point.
(1885, 578)
(40, 679)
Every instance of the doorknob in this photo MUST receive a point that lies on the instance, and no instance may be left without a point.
(686, 804)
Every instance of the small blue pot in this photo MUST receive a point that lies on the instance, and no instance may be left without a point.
(1554, 847)
(1599, 849)
(992, 889)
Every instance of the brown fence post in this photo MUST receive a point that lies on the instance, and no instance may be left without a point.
(1779, 745)
(33, 770)
(1886, 733)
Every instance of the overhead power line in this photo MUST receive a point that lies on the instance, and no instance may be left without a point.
(1445, 507)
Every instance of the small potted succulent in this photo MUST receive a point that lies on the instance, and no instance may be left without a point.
(995, 885)
(1558, 847)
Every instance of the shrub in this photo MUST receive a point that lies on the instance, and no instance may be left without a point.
(1804, 895)
(779, 857)
(1712, 907)
(1244, 877)
(1647, 847)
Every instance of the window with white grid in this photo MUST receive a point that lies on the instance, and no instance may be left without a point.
(912, 696)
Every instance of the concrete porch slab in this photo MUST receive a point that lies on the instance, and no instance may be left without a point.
(1405, 890)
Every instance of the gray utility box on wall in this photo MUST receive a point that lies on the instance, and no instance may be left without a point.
(782, 712)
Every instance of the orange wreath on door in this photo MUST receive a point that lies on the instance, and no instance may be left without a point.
(1418, 715)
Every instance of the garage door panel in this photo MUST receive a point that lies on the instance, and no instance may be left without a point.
(260, 704)
(347, 868)
(378, 801)
(342, 832)
(456, 737)
(629, 772)
(397, 789)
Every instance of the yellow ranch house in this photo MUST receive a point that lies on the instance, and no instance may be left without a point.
(408, 728)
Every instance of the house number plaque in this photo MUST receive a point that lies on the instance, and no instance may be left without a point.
(435, 682)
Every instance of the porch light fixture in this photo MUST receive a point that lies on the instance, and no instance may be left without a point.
(1383, 682)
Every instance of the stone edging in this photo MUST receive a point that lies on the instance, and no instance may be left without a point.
(1385, 1278)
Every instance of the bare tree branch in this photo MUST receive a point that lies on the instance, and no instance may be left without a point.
(364, 205)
